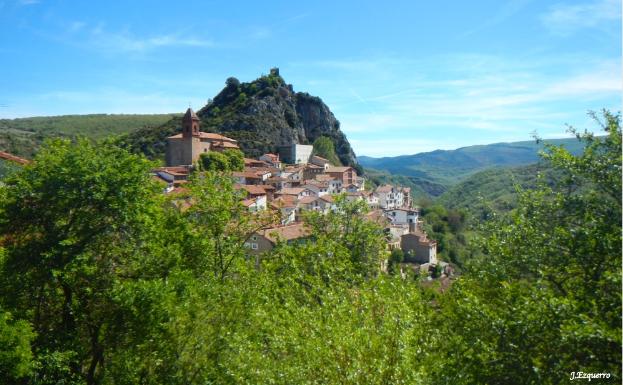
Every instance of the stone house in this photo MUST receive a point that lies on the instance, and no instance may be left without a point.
(311, 170)
(347, 175)
(418, 248)
(265, 240)
(320, 161)
(271, 159)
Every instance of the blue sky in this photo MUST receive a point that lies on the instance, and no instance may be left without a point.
(401, 76)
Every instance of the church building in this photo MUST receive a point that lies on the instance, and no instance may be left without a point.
(184, 149)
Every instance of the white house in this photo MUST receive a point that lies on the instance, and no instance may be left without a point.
(390, 197)
(335, 186)
(401, 216)
(319, 189)
(255, 203)
(320, 161)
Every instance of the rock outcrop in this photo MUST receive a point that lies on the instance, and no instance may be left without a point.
(262, 115)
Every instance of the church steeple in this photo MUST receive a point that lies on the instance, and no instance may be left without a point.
(190, 124)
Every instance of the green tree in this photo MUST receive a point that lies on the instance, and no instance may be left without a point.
(218, 224)
(71, 222)
(213, 161)
(235, 159)
(16, 358)
(396, 257)
(346, 227)
(324, 147)
(545, 299)
(226, 161)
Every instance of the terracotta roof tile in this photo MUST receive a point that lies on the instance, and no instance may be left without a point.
(285, 233)
(13, 158)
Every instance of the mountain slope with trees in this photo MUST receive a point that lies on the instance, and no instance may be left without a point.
(447, 167)
(24, 136)
(262, 115)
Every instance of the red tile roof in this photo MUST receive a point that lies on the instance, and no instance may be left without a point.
(291, 191)
(13, 158)
(307, 200)
(384, 188)
(285, 233)
(272, 156)
(338, 169)
(251, 189)
(284, 201)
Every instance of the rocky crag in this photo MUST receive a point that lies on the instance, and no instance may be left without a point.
(262, 115)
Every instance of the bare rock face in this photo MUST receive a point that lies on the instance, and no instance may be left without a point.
(266, 113)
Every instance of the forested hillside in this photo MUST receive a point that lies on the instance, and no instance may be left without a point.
(103, 280)
(23, 136)
(444, 168)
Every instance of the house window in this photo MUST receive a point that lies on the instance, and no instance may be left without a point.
(254, 246)
(254, 238)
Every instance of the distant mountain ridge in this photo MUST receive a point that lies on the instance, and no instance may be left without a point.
(448, 167)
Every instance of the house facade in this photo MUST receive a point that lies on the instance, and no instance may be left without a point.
(418, 248)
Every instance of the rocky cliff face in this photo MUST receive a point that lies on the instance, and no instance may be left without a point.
(262, 115)
(266, 113)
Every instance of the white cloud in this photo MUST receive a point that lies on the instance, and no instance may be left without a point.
(97, 36)
(468, 96)
(126, 42)
(565, 19)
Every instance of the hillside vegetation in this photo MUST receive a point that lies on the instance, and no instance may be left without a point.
(495, 189)
(23, 136)
(444, 168)
(7, 167)
(262, 115)
(103, 281)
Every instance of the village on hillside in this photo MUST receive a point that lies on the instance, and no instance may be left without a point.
(296, 180)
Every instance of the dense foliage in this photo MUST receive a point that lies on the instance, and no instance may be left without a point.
(103, 280)
(544, 300)
(228, 160)
(324, 147)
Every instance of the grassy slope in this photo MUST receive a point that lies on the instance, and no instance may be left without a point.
(24, 136)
